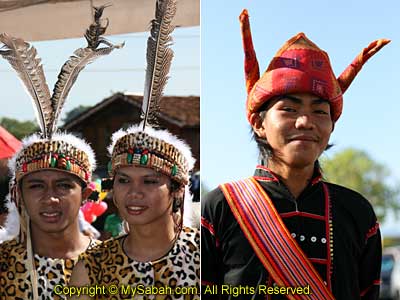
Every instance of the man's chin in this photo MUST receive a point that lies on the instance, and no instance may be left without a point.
(302, 162)
(51, 228)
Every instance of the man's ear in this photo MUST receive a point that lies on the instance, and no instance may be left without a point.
(178, 192)
(256, 123)
(86, 193)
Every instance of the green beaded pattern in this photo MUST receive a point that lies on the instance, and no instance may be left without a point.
(147, 151)
(53, 154)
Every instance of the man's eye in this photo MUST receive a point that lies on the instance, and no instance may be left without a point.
(288, 109)
(321, 112)
(65, 186)
(122, 180)
(35, 186)
(150, 181)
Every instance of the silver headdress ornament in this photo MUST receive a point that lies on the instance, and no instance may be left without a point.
(143, 145)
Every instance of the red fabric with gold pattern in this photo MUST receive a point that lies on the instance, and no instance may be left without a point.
(351, 71)
(298, 67)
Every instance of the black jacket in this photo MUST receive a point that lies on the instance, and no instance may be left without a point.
(354, 245)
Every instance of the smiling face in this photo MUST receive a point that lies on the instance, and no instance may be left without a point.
(297, 128)
(52, 200)
(143, 196)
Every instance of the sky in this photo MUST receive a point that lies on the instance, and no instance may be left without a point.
(370, 119)
(121, 71)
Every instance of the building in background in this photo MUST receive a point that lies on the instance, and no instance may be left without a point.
(179, 114)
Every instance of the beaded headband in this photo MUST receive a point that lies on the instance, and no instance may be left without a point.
(63, 152)
(156, 149)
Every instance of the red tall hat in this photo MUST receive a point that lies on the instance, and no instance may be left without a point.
(298, 67)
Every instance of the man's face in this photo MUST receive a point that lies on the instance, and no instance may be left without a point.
(297, 128)
(142, 196)
(52, 200)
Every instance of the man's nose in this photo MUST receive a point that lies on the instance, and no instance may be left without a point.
(135, 195)
(135, 190)
(304, 121)
(51, 195)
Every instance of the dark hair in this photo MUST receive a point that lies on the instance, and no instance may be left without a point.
(175, 185)
(4, 182)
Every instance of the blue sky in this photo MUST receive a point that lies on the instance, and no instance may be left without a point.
(122, 71)
(370, 119)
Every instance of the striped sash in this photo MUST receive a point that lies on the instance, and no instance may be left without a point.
(270, 239)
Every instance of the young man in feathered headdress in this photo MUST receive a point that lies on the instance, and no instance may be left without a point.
(50, 180)
(159, 257)
(286, 233)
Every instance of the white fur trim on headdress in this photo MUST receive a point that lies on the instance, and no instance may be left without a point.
(12, 224)
(164, 135)
(69, 138)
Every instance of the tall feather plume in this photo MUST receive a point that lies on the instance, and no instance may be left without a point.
(159, 57)
(23, 58)
(77, 62)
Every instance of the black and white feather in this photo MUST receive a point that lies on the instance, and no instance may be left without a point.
(77, 62)
(23, 58)
(159, 57)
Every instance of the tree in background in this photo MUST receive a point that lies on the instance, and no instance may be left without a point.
(19, 129)
(356, 170)
(75, 112)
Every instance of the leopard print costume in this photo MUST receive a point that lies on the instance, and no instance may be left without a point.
(15, 282)
(107, 264)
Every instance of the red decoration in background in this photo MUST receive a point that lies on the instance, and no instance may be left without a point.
(8, 144)
(99, 208)
(92, 210)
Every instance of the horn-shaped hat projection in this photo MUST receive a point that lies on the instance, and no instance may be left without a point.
(300, 66)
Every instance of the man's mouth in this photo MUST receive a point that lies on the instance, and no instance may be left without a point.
(304, 138)
(136, 209)
(50, 217)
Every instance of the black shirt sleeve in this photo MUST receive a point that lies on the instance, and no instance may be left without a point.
(210, 265)
(357, 245)
(370, 265)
